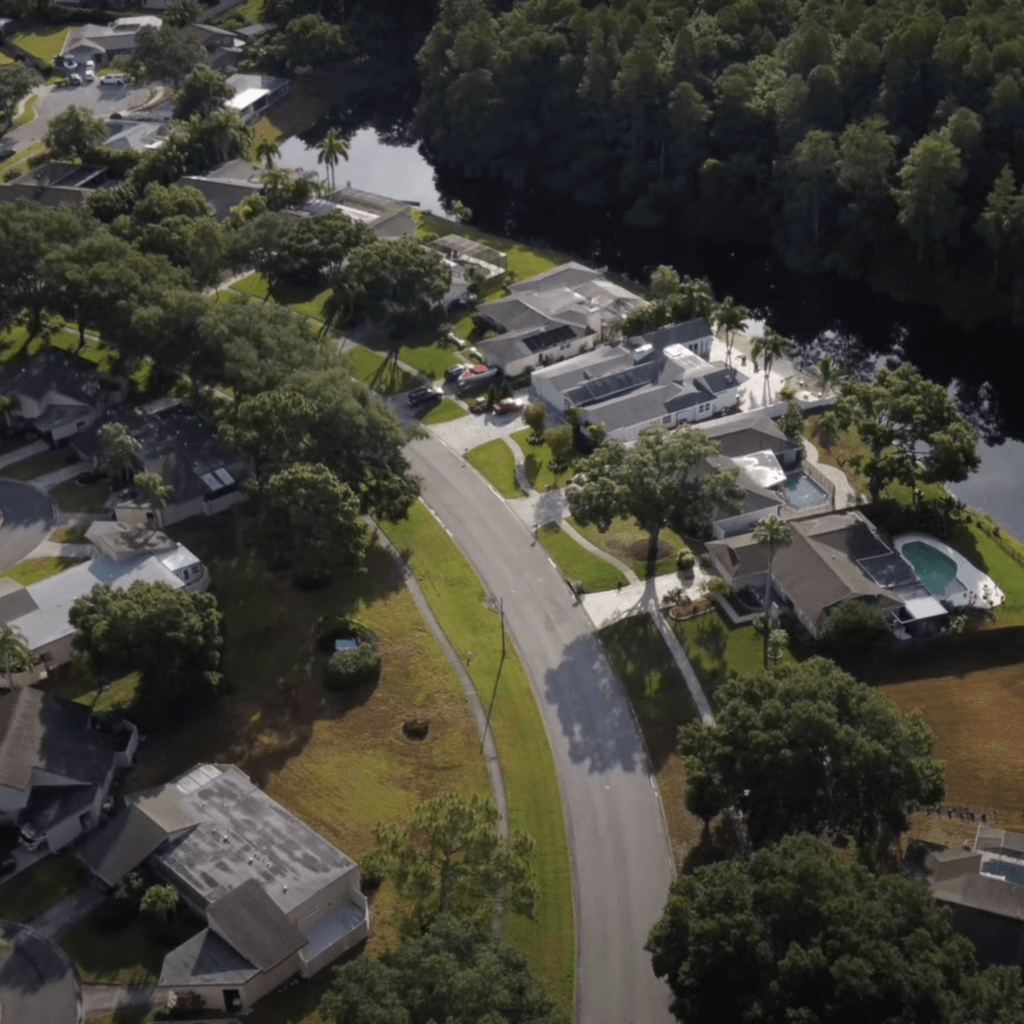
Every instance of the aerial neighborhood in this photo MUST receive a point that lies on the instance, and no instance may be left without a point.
(491, 528)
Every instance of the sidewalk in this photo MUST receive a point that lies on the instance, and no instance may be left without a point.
(48, 481)
(101, 999)
(70, 910)
(846, 496)
(21, 454)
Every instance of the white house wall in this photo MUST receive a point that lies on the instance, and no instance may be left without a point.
(742, 523)
(55, 652)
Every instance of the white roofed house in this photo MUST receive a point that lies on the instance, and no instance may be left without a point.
(279, 900)
(255, 94)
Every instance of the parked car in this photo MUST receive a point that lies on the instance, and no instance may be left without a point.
(113, 80)
(74, 79)
(475, 381)
(509, 405)
(453, 373)
(421, 396)
(70, 62)
(90, 65)
(7, 864)
(89, 76)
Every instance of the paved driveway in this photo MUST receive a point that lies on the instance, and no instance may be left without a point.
(622, 864)
(37, 982)
(28, 517)
(100, 101)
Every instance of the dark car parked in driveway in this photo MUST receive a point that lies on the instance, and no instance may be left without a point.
(421, 396)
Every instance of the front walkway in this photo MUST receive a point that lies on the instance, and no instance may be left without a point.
(51, 549)
(26, 451)
(101, 999)
(82, 902)
(48, 481)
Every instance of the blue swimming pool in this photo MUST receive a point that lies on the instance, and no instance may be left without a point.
(803, 492)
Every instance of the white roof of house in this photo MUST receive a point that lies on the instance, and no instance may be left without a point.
(763, 467)
(246, 98)
(55, 596)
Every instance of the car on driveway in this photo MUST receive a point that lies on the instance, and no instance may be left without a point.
(421, 396)
(74, 79)
(453, 373)
(113, 80)
(89, 75)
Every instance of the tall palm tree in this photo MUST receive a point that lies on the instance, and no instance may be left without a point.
(333, 147)
(828, 373)
(14, 655)
(460, 211)
(732, 318)
(664, 281)
(771, 533)
(119, 451)
(769, 347)
(267, 151)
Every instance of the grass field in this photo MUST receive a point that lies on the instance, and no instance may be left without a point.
(43, 885)
(14, 344)
(457, 599)
(305, 300)
(45, 45)
(35, 569)
(28, 113)
(39, 465)
(999, 554)
(21, 158)
(444, 412)
(124, 956)
(577, 563)
(662, 703)
(538, 456)
(495, 462)
(74, 497)
(628, 543)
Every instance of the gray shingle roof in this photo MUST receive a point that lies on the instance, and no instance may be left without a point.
(679, 334)
(568, 275)
(205, 959)
(54, 370)
(121, 845)
(251, 921)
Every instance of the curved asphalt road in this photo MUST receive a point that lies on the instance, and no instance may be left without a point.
(37, 982)
(28, 517)
(622, 864)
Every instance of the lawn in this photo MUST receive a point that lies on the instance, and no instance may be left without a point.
(69, 535)
(716, 648)
(250, 13)
(496, 463)
(28, 113)
(999, 554)
(381, 373)
(21, 157)
(14, 343)
(306, 299)
(39, 465)
(35, 569)
(628, 542)
(340, 762)
(117, 696)
(431, 356)
(538, 457)
(75, 497)
(131, 955)
(43, 45)
(524, 260)
(662, 703)
(457, 598)
(576, 562)
(46, 883)
(444, 412)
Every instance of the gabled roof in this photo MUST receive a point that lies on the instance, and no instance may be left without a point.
(222, 193)
(39, 732)
(54, 370)
(205, 959)
(252, 922)
(121, 845)
(682, 333)
(741, 435)
(567, 275)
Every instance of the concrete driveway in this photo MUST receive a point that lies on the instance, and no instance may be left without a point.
(618, 842)
(28, 517)
(100, 101)
(37, 982)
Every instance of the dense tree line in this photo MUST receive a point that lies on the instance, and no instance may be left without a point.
(872, 139)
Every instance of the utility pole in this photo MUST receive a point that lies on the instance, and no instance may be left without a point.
(487, 724)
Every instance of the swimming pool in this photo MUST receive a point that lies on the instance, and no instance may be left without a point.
(947, 574)
(802, 491)
(937, 571)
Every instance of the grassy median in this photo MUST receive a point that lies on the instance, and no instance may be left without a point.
(496, 464)
(458, 600)
(577, 562)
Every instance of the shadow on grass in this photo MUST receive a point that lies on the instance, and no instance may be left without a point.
(948, 656)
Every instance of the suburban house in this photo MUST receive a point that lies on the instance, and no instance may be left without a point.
(222, 46)
(102, 43)
(833, 558)
(552, 316)
(225, 186)
(754, 432)
(255, 94)
(639, 384)
(183, 448)
(39, 613)
(984, 889)
(57, 763)
(278, 899)
(136, 135)
(52, 184)
(59, 394)
(386, 218)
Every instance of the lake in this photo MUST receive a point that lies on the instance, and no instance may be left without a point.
(820, 313)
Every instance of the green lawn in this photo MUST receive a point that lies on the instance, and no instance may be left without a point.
(28, 113)
(118, 696)
(524, 260)
(45, 45)
(21, 158)
(996, 552)
(496, 463)
(444, 412)
(457, 599)
(628, 542)
(577, 563)
(379, 372)
(14, 343)
(124, 956)
(35, 569)
(248, 13)
(431, 356)
(538, 471)
(75, 497)
(24, 898)
(716, 648)
(39, 465)
(69, 535)
(306, 300)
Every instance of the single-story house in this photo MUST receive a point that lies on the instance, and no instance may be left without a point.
(225, 186)
(59, 394)
(833, 558)
(754, 432)
(222, 46)
(183, 448)
(386, 218)
(279, 900)
(255, 94)
(758, 476)
(102, 43)
(984, 889)
(40, 612)
(632, 386)
(57, 763)
(137, 135)
(570, 295)
(52, 184)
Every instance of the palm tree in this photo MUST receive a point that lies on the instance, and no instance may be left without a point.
(14, 655)
(664, 281)
(731, 317)
(460, 211)
(769, 347)
(267, 151)
(771, 533)
(119, 451)
(333, 147)
(828, 373)
(152, 489)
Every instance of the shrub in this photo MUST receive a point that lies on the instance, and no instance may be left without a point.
(685, 560)
(333, 627)
(852, 629)
(416, 728)
(160, 904)
(346, 670)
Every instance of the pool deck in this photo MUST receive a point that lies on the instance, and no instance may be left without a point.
(980, 591)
